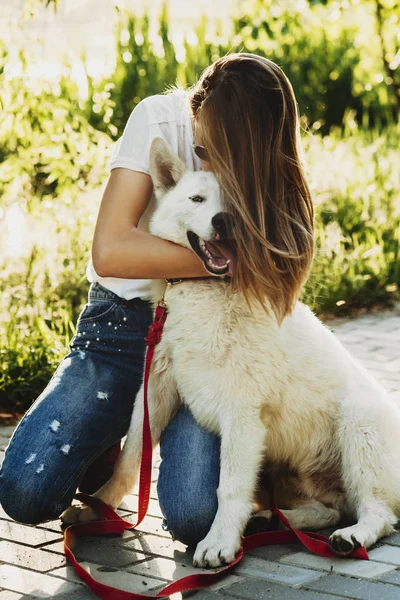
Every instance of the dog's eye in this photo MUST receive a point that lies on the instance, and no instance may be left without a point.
(197, 198)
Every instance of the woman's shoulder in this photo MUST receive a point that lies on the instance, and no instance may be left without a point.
(170, 106)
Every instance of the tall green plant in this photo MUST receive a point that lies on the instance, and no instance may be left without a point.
(324, 49)
(387, 14)
(46, 143)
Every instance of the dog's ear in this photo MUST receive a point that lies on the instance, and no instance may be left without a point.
(166, 168)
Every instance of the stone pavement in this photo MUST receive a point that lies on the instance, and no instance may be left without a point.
(32, 564)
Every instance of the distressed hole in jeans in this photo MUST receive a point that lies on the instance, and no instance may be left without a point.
(55, 425)
(31, 458)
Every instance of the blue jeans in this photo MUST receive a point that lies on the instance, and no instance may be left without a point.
(86, 408)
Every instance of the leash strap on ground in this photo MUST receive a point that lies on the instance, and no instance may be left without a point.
(116, 524)
(113, 523)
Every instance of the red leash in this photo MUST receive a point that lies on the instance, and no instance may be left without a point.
(315, 542)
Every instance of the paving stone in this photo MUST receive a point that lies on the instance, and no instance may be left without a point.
(107, 550)
(198, 595)
(273, 552)
(163, 568)
(31, 558)
(54, 547)
(25, 534)
(152, 544)
(348, 566)
(3, 516)
(273, 571)
(54, 526)
(392, 577)
(225, 582)
(137, 540)
(149, 525)
(131, 503)
(38, 585)
(201, 595)
(209, 592)
(260, 590)
(7, 430)
(118, 578)
(354, 588)
(84, 594)
(4, 595)
(386, 554)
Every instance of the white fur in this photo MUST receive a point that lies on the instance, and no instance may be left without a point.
(289, 400)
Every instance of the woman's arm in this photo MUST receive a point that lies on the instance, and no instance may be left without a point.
(121, 250)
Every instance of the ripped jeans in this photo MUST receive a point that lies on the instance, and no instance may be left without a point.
(86, 408)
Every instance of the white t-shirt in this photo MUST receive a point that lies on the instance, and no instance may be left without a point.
(166, 116)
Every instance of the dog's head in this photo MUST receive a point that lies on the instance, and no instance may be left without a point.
(189, 209)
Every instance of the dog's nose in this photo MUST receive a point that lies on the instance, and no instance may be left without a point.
(220, 222)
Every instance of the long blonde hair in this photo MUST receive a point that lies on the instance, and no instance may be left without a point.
(246, 117)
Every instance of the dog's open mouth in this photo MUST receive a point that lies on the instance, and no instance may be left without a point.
(217, 257)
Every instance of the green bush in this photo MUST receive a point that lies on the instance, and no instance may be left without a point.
(356, 187)
(47, 147)
(331, 52)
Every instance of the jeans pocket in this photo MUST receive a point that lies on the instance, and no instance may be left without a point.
(96, 311)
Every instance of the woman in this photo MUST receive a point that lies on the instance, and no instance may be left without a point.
(241, 121)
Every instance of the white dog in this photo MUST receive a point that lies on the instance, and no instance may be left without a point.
(288, 399)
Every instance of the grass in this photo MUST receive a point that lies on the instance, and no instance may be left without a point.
(356, 186)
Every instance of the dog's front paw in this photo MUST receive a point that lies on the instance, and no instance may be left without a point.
(79, 513)
(214, 552)
(344, 541)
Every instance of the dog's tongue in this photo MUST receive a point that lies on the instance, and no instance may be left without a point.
(225, 252)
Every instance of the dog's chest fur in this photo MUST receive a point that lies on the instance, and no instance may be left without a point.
(202, 342)
(223, 357)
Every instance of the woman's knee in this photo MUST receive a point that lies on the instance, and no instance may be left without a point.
(27, 509)
(30, 501)
(28, 505)
(188, 518)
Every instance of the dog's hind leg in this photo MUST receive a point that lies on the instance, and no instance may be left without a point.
(311, 515)
(163, 401)
(371, 482)
(375, 520)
